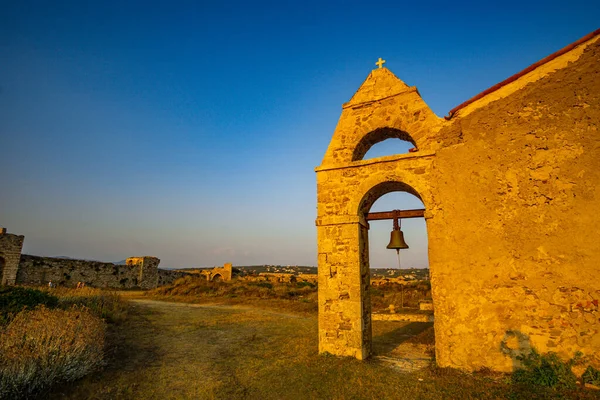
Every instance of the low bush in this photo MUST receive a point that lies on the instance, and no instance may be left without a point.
(591, 375)
(267, 285)
(14, 299)
(305, 284)
(105, 304)
(42, 346)
(546, 370)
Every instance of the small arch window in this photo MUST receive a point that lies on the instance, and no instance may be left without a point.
(382, 142)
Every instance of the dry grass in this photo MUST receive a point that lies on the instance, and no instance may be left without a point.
(393, 293)
(190, 351)
(296, 297)
(62, 341)
(42, 346)
(108, 305)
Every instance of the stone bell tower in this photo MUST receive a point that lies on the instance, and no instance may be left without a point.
(383, 108)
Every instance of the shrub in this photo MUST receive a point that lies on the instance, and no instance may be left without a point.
(267, 285)
(546, 370)
(591, 375)
(305, 284)
(42, 346)
(107, 305)
(13, 299)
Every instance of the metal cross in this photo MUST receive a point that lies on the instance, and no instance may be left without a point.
(380, 62)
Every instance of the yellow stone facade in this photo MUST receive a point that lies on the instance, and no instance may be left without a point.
(510, 188)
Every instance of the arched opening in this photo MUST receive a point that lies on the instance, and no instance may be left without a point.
(376, 144)
(2, 263)
(399, 295)
(217, 278)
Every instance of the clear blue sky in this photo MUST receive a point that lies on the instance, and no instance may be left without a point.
(190, 130)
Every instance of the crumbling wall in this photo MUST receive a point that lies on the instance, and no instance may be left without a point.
(281, 277)
(34, 270)
(147, 271)
(167, 277)
(10, 253)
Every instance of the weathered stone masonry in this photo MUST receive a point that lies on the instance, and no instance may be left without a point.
(510, 185)
(23, 269)
(10, 253)
(139, 272)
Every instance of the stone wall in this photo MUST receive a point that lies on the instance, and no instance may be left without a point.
(280, 277)
(515, 239)
(147, 270)
(10, 253)
(510, 185)
(167, 277)
(140, 272)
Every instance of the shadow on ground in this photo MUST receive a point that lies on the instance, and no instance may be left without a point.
(125, 354)
(388, 336)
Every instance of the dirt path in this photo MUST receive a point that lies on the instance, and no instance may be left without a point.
(210, 351)
(195, 351)
(177, 350)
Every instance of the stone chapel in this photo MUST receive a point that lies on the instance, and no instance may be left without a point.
(510, 181)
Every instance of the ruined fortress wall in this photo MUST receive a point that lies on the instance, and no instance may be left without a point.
(147, 268)
(167, 277)
(514, 245)
(10, 252)
(34, 270)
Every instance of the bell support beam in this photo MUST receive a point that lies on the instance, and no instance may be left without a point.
(420, 213)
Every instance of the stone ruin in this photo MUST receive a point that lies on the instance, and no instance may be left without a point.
(23, 269)
(10, 256)
(219, 274)
(510, 181)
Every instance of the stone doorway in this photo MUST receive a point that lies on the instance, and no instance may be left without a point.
(402, 333)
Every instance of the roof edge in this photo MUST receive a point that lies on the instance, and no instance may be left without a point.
(516, 76)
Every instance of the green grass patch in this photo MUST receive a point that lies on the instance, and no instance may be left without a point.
(547, 370)
(14, 299)
(591, 376)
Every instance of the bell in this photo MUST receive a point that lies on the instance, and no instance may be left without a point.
(397, 240)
